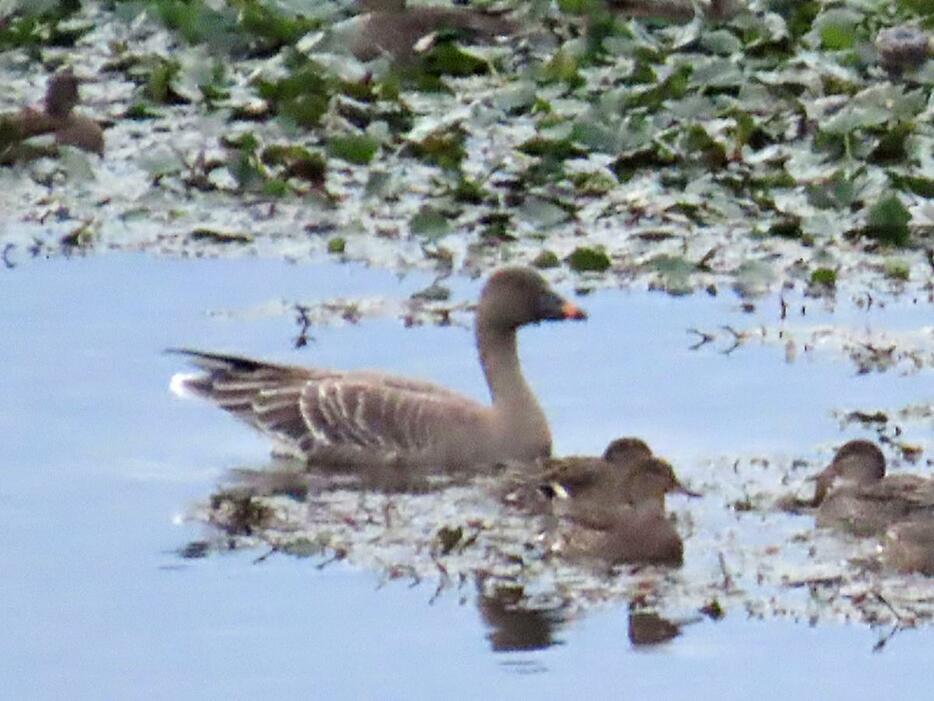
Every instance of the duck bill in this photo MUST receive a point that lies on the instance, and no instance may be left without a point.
(681, 489)
(823, 482)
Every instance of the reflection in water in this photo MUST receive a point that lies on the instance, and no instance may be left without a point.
(291, 477)
(512, 626)
(419, 525)
(91, 507)
(648, 628)
(737, 549)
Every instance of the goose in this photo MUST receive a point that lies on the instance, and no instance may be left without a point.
(360, 417)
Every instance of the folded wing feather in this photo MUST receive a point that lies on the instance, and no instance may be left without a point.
(335, 416)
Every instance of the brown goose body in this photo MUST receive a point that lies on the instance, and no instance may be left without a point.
(359, 418)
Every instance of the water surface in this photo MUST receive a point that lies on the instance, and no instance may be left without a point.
(100, 463)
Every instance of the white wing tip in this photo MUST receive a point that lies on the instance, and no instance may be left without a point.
(178, 385)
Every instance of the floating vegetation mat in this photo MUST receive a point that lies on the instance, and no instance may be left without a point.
(742, 552)
(673, 144)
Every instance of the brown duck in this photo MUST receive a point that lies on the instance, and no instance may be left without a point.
(611, 480)
(587, 479)
(389, 28)
(908, 546)
(625, 522)
(359, 418)
(57, 118)
(854, 494)
(532, 489)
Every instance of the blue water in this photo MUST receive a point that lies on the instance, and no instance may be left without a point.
(99, 461)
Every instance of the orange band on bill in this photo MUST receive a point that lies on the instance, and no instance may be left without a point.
(572, 311)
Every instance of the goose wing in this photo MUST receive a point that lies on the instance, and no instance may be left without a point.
(333, 416)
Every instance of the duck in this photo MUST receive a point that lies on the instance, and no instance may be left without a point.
(586, 478)
(676, 10)
(390, 28)
(855, 495)
(358, 418)
(908, 546)
(57, 117)
(612, 480)
(532, 489)
(623, 524)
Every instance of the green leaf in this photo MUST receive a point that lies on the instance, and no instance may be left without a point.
(542, 213)
(788, 228)
(836, 192)
(888, 220)
(353, 148)
(546, 259)
(558, 149)
(917, 184)
(430, 223)
(825, 277)
(442, 147)
(896, 269)
(159, 87)
(837, 37)
(302, 96)
(721, 41)
(563, 67)
(447, 58)
(838, 28)
(585, 259)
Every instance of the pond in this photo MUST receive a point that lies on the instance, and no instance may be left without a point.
(104, 469)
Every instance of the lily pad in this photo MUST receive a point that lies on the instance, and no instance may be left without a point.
(353, 148)
(586, 259)
(546, 259)
(825, 277)
(887, 221)
(430, 223)
(674, 273)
